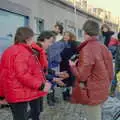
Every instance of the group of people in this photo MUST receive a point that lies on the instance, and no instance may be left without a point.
(110, 39)
(31, 70)
(112, 42)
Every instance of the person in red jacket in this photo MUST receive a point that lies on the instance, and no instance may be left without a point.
(94, 73)
(22, 80)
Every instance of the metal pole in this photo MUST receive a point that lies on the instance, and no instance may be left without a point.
(75, 20)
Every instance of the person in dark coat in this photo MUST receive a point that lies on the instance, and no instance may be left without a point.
(107, 34)
(44, 41)
(66, 54)
(117, 58)
(117, 67)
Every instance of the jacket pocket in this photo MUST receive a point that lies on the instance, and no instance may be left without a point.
(80, 95)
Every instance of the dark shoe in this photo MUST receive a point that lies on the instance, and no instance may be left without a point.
(50, 99)
(54, 98)
(5, 106)
(66, 95)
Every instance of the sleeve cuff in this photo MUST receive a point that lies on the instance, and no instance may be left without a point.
(42, 87)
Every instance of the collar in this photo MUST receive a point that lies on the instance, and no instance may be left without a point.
(25, 46)
(37, 47)
(89, 40)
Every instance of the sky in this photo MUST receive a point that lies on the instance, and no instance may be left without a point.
(111, 5)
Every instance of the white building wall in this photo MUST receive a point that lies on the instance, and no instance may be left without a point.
(51, 13)
(33, 5)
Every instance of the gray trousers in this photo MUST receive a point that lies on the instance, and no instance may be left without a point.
(92, 112)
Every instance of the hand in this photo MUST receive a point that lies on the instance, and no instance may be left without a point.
(82, 85)
(60, 73)
(63, 74)
(47, 86)
(66, 75)
(59, 81)
(3, 102)
(71, 63)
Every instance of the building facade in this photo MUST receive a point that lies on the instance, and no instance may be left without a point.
(41, 15)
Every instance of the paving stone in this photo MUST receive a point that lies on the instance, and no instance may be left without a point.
(61, 111)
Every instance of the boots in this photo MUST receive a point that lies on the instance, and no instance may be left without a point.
(50, 99)
(66, 94)
(5, 106)
(54, 99)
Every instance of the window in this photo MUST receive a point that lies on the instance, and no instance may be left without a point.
(80, 34)
(39, 26)
(9, 22)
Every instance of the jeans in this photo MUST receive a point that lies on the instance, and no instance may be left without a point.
(19, 110)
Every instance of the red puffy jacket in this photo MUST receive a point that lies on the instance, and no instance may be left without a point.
(95, 71)
(1, 88)
(21, 75)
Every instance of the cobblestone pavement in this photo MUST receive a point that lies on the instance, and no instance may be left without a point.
(62, 111)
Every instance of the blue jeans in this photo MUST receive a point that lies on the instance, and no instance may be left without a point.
(113, 50)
